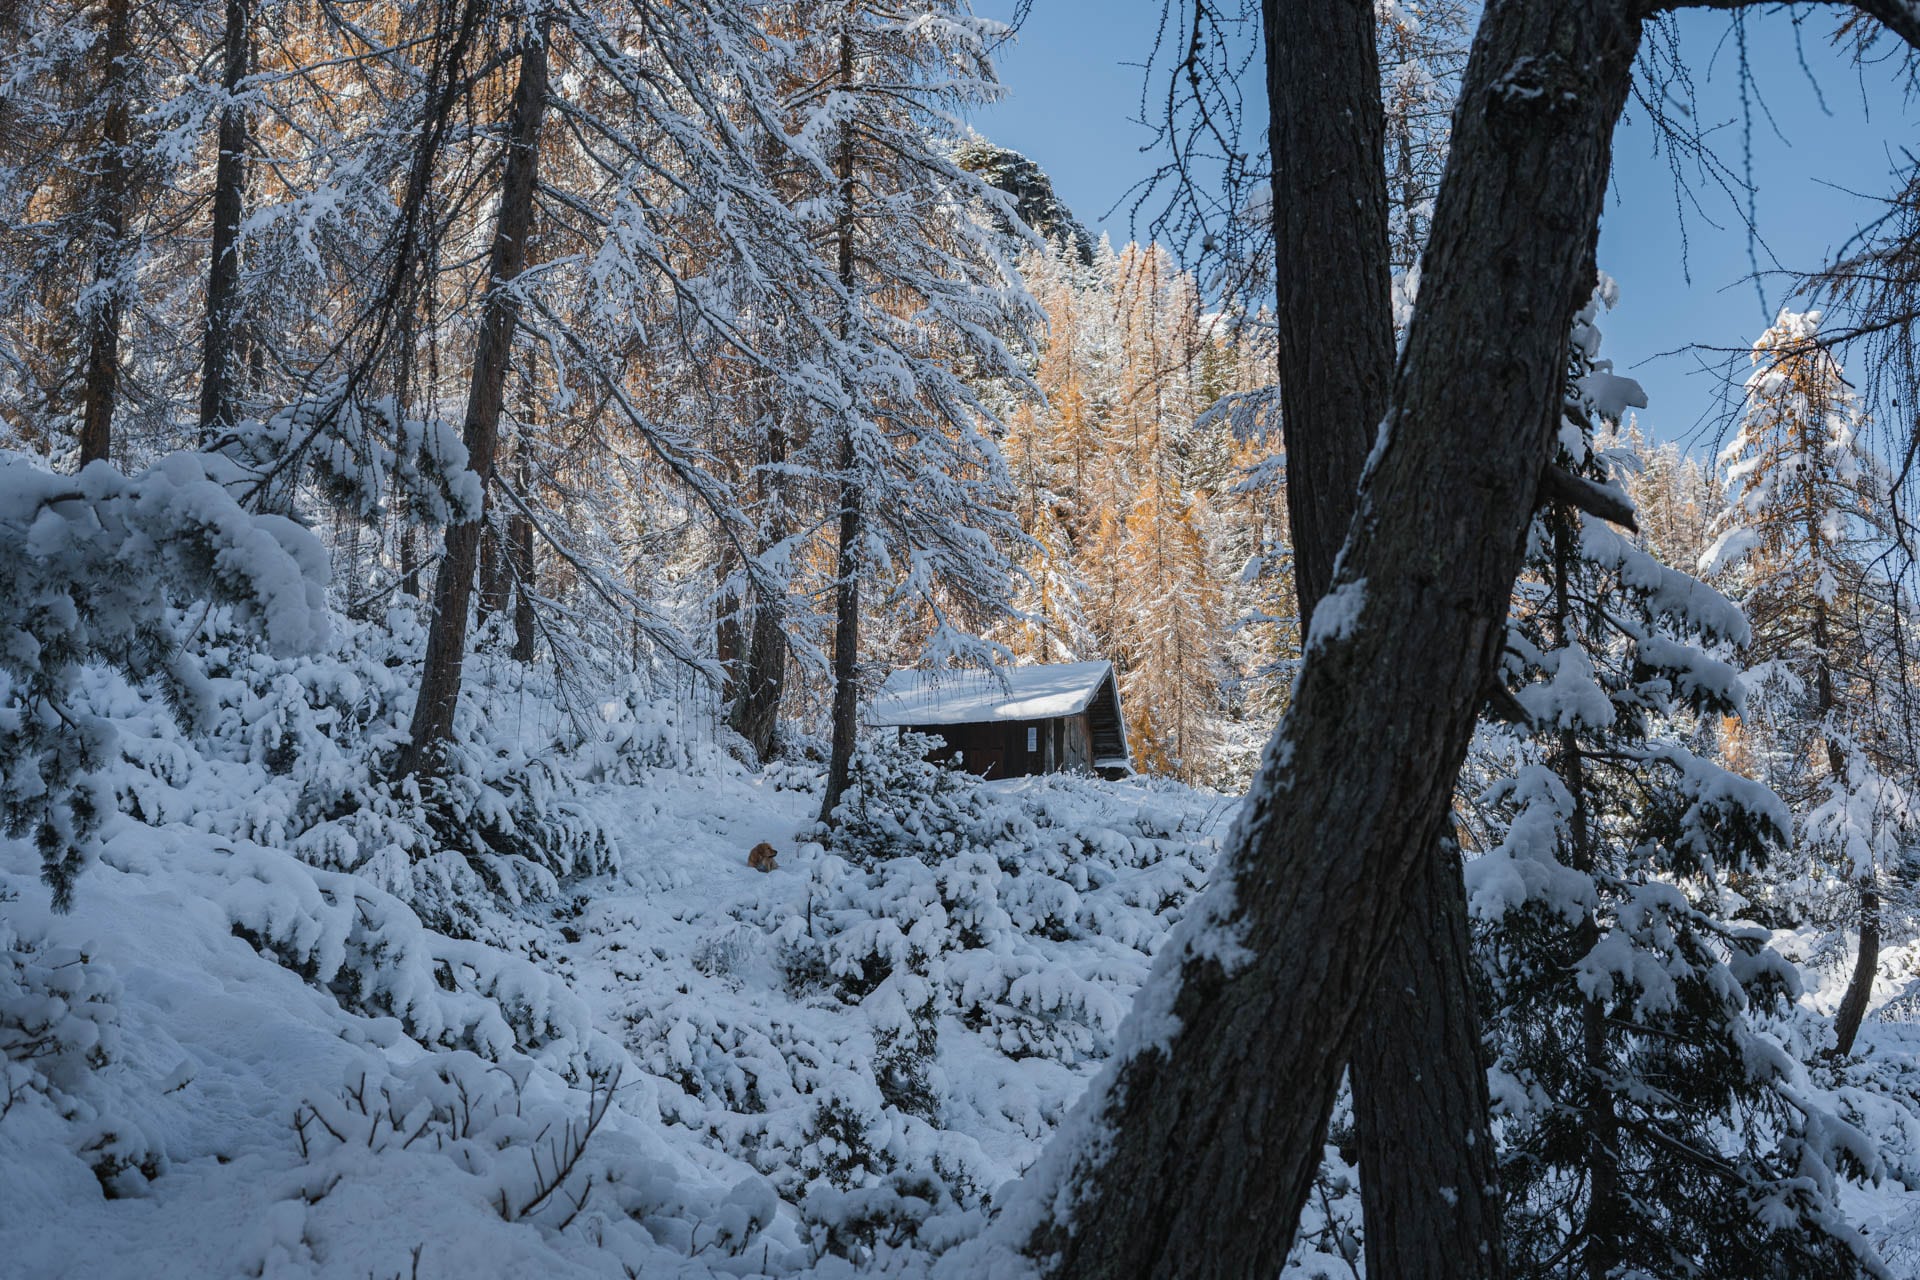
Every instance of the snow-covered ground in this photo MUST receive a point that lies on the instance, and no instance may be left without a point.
(618, 1050)
(229, 1061)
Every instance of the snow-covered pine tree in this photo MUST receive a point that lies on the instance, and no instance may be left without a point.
(1675, 498)
(1795, 545)
(1649, 1124)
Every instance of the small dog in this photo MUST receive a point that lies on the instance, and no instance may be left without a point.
(762, 857)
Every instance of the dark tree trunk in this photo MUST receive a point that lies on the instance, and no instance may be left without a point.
(101, 384)
(1853, 1006)
(1208, 1134)
(728, 643)
(409, 562)
(756, 701)
(1429, 1188)
(846, 602)
(846, 644)
(1427, 1173)
(520, 555)
(496, 584)
(433, 710)
(218, 363)
(762, 680)
(1334, 284)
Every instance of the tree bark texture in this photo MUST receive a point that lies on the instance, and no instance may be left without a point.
(1333, 282)
(756, 704)
(1427, 1171)
(101, 384)
(1194, 1156)
(439, 695)
(217, 366)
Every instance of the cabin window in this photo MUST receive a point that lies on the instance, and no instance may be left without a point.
(1033, 737)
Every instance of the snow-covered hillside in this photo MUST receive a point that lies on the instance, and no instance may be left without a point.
(243, 1053)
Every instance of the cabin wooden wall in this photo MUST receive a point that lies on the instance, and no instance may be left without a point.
(1015, 748)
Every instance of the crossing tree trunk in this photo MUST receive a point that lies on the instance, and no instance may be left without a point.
(1195, 1157)
(1427, 1174)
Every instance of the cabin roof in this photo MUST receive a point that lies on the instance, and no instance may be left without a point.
(1037, 692)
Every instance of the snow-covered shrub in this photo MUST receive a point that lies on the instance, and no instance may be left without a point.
(899, 804)
(290, 752)
(376, 957)
(58, 1017)
(59, 1027)
(560, 1162)
(475, 1112)
(90, 568)
(891, 1218)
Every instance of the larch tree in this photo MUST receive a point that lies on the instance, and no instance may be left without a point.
(432, 724)
(1165, 627)
(925, 307)
(78, 80)
(1795, 543)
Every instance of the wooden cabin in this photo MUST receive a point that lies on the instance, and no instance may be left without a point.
(1014, 721)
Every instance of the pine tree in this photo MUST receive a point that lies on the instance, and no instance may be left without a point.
(1650, 1125)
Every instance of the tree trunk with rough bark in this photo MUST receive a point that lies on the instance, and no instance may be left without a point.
(755, 714)
(846, 602)
(521, 559)
(1194, 1156)
(218, 364)
(439, 695)
(1853, 1005)
(1427, 1171)
(101, 384)
(756, 703)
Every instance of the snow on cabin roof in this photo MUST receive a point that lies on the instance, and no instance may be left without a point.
(1039, 692)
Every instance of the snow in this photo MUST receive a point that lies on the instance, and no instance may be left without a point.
(300, 1076)
(1036, 692)
(1337, 614)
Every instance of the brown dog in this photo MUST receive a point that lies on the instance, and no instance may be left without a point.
(762, 857)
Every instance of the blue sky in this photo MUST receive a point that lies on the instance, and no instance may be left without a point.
(1818, 156)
